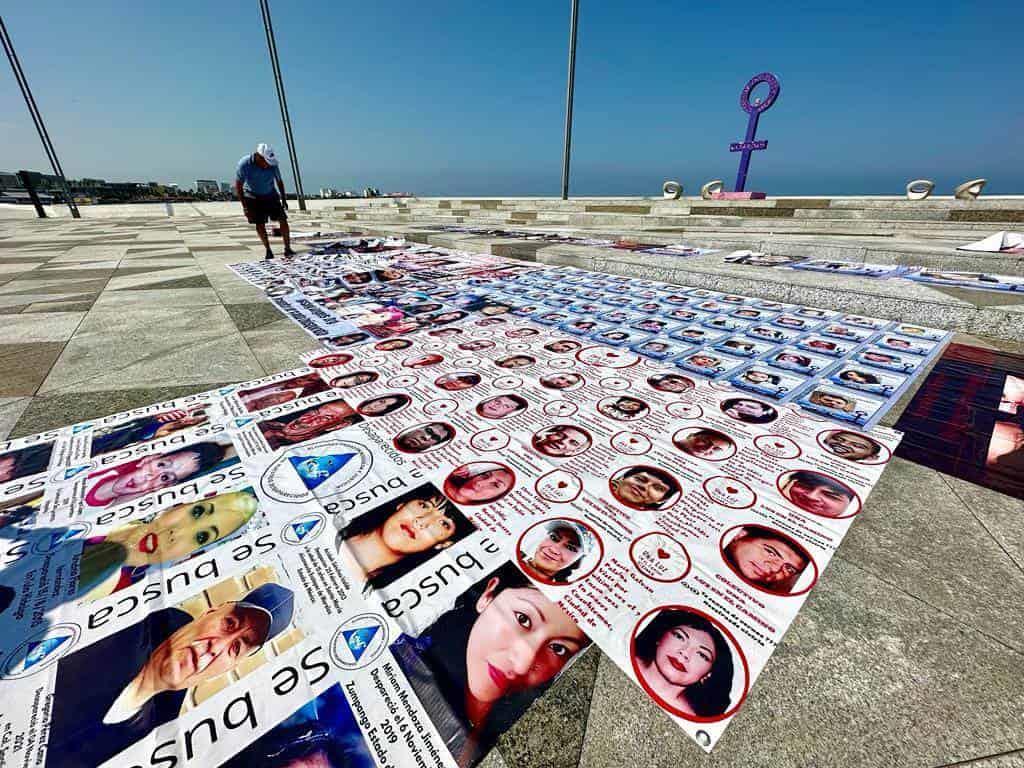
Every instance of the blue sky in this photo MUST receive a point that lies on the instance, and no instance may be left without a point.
(467, 98)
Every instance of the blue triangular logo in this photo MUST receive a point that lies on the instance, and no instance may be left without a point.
(358, 640)
(303, 529)
(61, 536)
(241, 422)
(69, 473)
(40, 649)
(227, 390)
(314, 470)
(80, 428)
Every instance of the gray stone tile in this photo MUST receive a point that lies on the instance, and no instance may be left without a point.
(866, 676)
(25, 366)
(251, 315)
(58, 410)
(58, 326)
(1001, 515)
(563, 710)
(1013, 759)
(167, 298)
(11, 409)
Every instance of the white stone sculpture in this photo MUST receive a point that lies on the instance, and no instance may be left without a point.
(919, 189)
(672, 190)
(709, 190)
(969, 190)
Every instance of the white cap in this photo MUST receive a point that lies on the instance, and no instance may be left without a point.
(268, 152)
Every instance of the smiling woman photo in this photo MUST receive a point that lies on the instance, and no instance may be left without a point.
(685, 663)
(480, 665)
(387, 542)
(123, 556)
(558, 554)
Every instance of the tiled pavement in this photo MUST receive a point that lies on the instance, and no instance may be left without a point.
(910, 652)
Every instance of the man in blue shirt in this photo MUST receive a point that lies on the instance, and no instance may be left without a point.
(254, 185)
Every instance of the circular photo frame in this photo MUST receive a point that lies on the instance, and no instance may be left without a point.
(690, 663)
(559, 551)
(818, 494)
(456, 381)
(623, 408)
(425, 437)
(854, 446)
(748, 410)
(382, 405)
(330, 360)
(562, 441)
(768, 560)
(479, 482)
(354, 379)
(501, 406)
(704, 443)
(642, 486)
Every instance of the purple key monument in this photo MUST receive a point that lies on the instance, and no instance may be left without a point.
(749, 144)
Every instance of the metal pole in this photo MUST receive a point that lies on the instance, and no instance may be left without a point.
(275, 64)
(568, 99)
(37, 118)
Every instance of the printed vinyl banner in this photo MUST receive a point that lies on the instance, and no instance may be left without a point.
(967, 419)
(383, 557)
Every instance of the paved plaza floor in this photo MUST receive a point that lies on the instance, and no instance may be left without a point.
(909, 652)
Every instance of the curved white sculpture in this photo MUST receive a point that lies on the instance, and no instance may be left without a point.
(969, 190)
(919, 189)
(672, 190)
(711, 188)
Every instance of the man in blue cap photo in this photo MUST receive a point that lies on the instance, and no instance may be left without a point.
(112, 693)
(254, 185)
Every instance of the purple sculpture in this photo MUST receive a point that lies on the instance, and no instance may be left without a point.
(749, 145)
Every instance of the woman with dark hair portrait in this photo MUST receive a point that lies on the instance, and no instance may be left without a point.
(25, 462)
(422, 361)
(331, 360)
(391, 345)
(348, 339)
(685, 662)
(859, 377)
(643, 487)
(391, 540)
(670, 382)
(766, 559)
(475, 345)
(382, 405)
(481, 664)
(623, 408)
(749, 411)
(515, 361)
(479, 482)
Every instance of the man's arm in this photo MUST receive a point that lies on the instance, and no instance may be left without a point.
(280, 186)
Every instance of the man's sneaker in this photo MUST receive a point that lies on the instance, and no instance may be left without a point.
(269, 255)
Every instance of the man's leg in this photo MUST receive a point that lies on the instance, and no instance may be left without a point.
(286, 234)
(261, 230)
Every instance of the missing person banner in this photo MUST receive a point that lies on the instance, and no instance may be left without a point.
(382, 558)
(967, 419)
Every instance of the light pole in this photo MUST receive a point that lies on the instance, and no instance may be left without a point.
(568, 99)
(37, 119)
(268, 27)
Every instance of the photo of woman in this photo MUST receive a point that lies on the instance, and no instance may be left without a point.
(391, 540)
(767, 559)
(704, 443)
(479, 482)
(476, 345)
(354, 379)
(623, 408)
(481, 664)
(382, 405)
(515, 361)
(424, 437)
(501, 406)
(684, 660)
(348, 339)
(422, 361)
(818, 494)
(644, 487)
(124, 482)
(123, 556)
(146, 428)
(392, 345)
(457, 381)
(558, 551)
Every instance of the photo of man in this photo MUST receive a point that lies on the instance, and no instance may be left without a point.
(670, 382)
(623, 408)
(424, 437)
(330, 360)
(561, 441)
(766, 559)
(853, 446)
(382, 405)
(457, 381)
(280, 392)
(501, 406)
(562, 346)
(112, 693)
(354, 379)
(704, 443)
(299, 426)
(818, 494)
(562, 381)
(748, 411)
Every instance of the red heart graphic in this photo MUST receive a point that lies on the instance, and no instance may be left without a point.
(730, 489)
(562, 484)
(662, 554)
(632, 440)
(780, 445)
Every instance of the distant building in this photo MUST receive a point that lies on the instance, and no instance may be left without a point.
(207, 187)
(327, 192)
(225, 188)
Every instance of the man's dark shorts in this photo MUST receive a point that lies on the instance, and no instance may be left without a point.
(259, 209)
